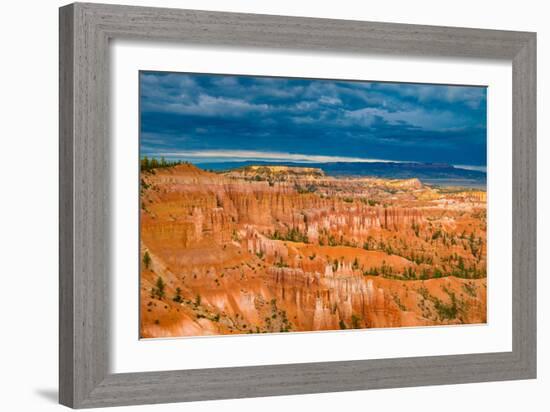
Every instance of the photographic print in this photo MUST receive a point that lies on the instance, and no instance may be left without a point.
(274, 205)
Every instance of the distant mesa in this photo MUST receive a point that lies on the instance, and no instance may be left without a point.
(277, 172)
(275, 169)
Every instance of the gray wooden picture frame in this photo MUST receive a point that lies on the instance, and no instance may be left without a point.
(85, 31)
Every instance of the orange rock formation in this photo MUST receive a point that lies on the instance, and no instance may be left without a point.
(275, 249)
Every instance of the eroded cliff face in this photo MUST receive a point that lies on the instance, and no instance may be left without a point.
(282, 251)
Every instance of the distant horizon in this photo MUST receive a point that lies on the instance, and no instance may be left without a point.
(206, 118)
(206, 160)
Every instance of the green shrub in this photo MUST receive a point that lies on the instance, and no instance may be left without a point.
(177, 297)
(446, 310)
(355, 322)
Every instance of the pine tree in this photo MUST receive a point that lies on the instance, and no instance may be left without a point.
(146, 260)
(145, 163)
(158, 290)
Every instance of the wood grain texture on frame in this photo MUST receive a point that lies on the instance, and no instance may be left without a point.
(85, 31)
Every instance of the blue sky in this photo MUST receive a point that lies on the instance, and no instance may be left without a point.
(206, 118)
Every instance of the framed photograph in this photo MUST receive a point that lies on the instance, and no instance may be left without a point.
(256, 205)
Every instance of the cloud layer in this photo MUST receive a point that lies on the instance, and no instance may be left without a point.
(196, 113)
(242, 155)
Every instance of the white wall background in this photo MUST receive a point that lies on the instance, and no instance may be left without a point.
(28, 205)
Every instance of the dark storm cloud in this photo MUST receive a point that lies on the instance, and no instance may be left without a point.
(246, 116)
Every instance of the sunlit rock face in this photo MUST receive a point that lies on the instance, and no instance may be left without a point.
(278, 249)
